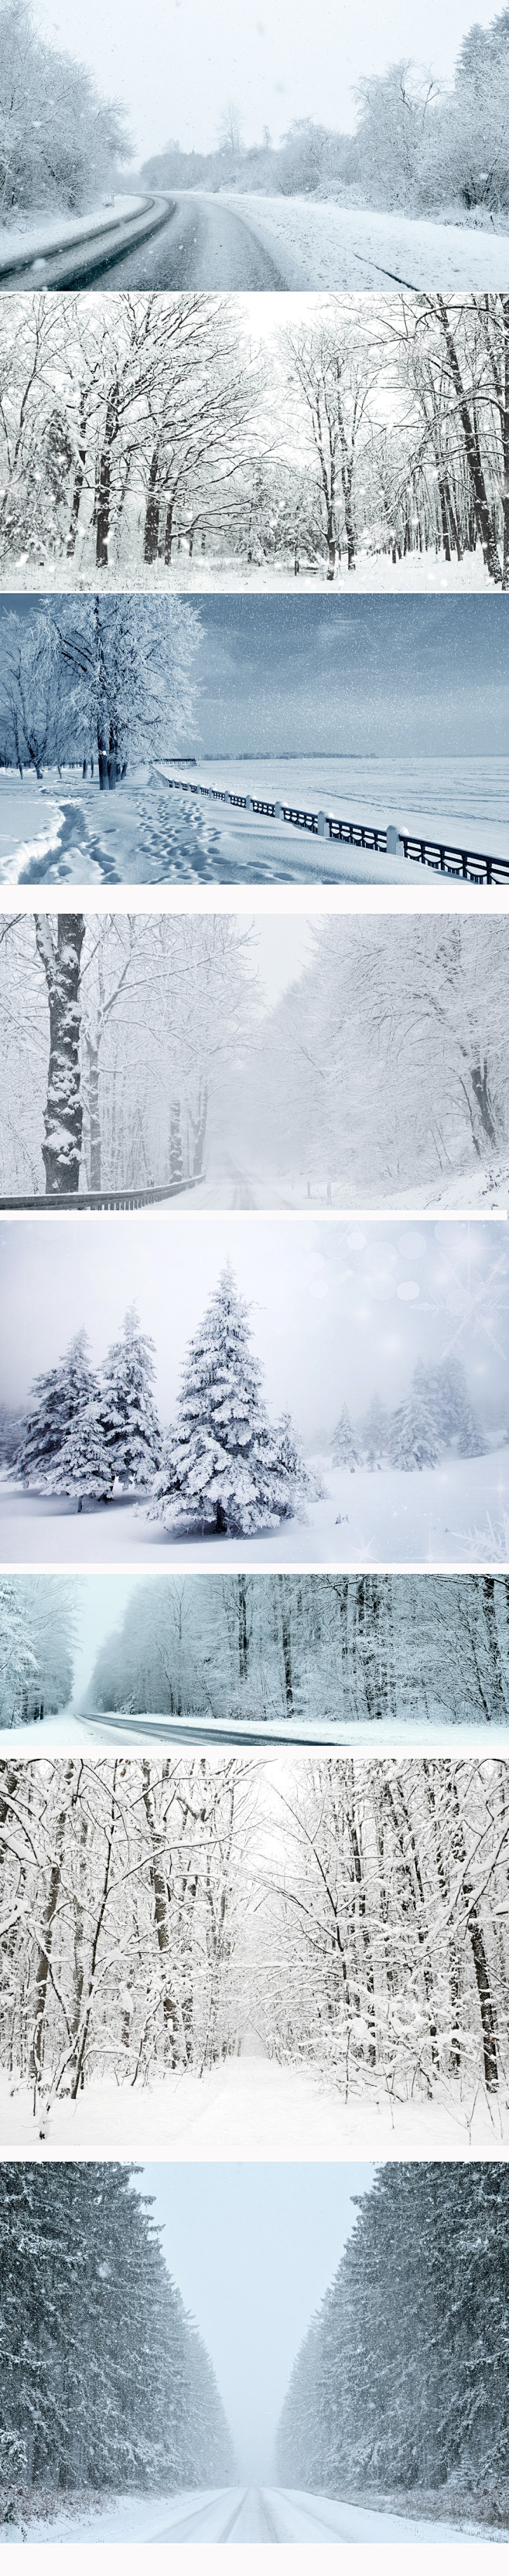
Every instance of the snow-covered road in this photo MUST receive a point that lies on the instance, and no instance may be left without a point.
(203, 244)
(238, 2514)
(240, 242)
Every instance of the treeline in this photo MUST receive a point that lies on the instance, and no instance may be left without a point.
(429, 1097)
(419, 145)
(158, 433)
(154, 1913)
(104, 2381)
(60, 142)
(38, 1626)
(365, 1648)
(401, 2381)
(149, 1036)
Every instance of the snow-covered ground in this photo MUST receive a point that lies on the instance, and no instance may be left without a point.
(347, 247)
(250, 2108)
(454, 1514)
(462, 800)
(144, 1733)
(231, 1184)
(39, 232)
(55, 830)
(234, 2514)
(422, 572)
(147, 833)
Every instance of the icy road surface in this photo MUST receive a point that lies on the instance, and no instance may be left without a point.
(204, 244)
(241, 2513)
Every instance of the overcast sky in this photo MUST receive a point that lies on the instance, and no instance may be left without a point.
(175, 63)
(253, 2249)
(377, 676)
(336, 1309)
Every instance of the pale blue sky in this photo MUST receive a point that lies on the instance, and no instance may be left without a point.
(253, 2248)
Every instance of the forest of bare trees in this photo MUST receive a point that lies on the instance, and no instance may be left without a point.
(354, 1915)
(140, 432)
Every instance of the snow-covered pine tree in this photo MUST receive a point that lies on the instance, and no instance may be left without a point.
(413, 1433)
(128, 1420)
(456, 1417)
(84, 1465)
(224, 1467)
(59, 1397)
(376, 1433)
(345, 1452)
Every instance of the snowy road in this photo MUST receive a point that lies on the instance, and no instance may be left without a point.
(202, 245)
(238, 2514)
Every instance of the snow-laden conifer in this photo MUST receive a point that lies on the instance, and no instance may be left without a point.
(84, 1464)
(413, 1435)
(58, 1397)
(345, 1452)
(225, 1467)
(129, 1425)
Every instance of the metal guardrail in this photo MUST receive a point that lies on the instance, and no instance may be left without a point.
(113, 1199)
(475, 866)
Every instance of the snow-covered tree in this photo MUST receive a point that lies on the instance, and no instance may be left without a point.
(129, 1427)
(345, 1452)
(224, 1467)
(59, 945)
(413, 1431)
(60, 1396)
(376, 1432)
(84, 1465)
(59, 141)
(18, 1660)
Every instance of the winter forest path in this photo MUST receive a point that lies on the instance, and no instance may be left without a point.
(243, 2514)
(202, 245)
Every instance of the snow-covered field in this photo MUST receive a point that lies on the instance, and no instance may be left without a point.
(55, 830)
(38, 233)
(234, 2514)
(453, 1514)
(249, 2107)
(347, 247)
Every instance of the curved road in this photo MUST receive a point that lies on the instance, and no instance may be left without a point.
(202, 244)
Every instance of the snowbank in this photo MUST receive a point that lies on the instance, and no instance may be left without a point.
(346, 248)
(249, 2108)
(454, 1514)
(39, 232)
(29, 826)
(422, 572)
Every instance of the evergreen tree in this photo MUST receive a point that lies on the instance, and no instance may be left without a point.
(413, 1435)
(376, 1433)
(60, 1396)
(84, 1465)
(403, 2378)
(103, 2380)
(129, 1424)
(344, 1445)
(224, 1467)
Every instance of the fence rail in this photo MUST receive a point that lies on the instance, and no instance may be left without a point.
(475, 866)
(127, 1198)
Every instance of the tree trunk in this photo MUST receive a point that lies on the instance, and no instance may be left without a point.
(60, 955)
(151, 533)
(174, 2034)
(46, 1937)
(94, 1115)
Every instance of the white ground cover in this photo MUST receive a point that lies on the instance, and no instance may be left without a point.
(454, 1514)
(146, 832)
(422, 572)
(249, 2108)
(38, 232)
(234, 2514)
(231, 1185)
(347, 247)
